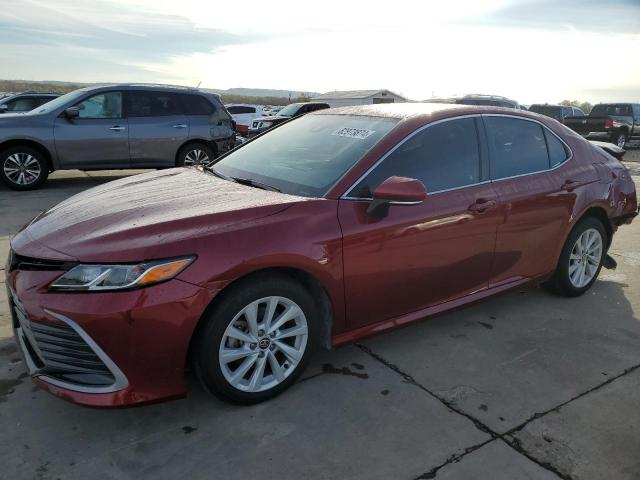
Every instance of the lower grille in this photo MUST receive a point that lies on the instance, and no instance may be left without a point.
(64, 354)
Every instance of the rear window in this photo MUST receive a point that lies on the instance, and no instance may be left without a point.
(610, 109)
(548, 110)
(196, 105)
(238, 109)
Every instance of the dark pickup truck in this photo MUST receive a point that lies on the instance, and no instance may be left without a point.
(617, 123)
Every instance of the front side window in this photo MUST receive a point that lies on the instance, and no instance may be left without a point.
(516, 146)
(239, 109)
(308, 156)
(102, 105)
(442, 156)
(152, 104)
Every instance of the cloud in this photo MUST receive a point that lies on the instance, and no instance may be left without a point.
(116, 34)
(595, 16)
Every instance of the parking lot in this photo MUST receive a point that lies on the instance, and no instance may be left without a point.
(522, 386)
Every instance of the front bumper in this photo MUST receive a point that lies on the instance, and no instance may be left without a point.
(106, 349)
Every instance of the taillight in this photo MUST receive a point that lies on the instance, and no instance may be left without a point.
(608, 123)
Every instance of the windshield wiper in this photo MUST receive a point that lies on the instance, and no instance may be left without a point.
(253, 183)
(242, 181)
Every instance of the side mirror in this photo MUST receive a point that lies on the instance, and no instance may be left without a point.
(72, 112)
(397, 190)
(4, 108)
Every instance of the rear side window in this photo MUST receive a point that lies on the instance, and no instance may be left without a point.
(557, 151)
(152, 104)
(516, 146)
(442, 156)
(197, 105)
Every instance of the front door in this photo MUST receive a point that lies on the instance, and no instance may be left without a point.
(98, 138)
(424, 254)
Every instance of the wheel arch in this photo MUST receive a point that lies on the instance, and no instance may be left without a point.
(315, 288)
(31, 144)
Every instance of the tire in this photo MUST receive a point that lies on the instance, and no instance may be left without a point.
(619, 139)
(566, 280)
(23, 168)
(248, 374)
(195, 154)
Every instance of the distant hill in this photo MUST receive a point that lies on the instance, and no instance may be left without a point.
(230, 95)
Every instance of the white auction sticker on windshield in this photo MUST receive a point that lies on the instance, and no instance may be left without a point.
(348, 132)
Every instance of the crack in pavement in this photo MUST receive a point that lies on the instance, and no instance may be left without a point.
(506, 437)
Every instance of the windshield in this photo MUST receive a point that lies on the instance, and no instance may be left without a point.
(59, 102)
(289, 110)
(308, 155)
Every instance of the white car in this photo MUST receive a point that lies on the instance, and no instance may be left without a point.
(243, 114)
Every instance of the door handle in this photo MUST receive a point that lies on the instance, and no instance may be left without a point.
(116, 128)
(180, 125)
(481, 205)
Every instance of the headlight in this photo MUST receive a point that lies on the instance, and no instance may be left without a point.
(265, 124)
(118, 277)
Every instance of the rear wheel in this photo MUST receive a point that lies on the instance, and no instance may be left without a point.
(195, 154)
(23, 168)
(257, 340)
(620, 139)
(581, 259)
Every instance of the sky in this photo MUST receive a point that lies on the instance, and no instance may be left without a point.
(529, 50)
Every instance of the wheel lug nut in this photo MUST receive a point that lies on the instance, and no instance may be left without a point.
(261, 353)
(253, 346)
(260, 333)
(272, 346)
(272, 334)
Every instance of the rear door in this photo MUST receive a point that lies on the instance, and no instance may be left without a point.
(528, 169)
(157, 127)
(207, 121)
(421, 254)
(98, 138)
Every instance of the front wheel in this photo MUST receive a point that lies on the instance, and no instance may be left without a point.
(23, 168)
(257, 340)
(581, 259)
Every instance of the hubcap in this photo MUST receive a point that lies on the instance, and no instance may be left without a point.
(585, 258)
(21, 168)
(196, 157)
(263, 344)
(621, 141)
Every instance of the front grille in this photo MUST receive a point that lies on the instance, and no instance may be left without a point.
(59, 352)
(20, 262)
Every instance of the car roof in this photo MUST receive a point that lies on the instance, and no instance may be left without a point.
(148, 86)
(424, 111)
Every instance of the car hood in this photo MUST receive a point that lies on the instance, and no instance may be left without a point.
(154, 215)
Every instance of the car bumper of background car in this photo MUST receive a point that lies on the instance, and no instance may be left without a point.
(105, 349)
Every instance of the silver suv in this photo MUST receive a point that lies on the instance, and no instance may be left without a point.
(113, 127)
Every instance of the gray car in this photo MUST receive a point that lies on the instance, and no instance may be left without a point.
(113, 127)
(25, 101)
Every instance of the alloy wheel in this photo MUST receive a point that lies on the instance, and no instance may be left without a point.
(22, 168)
(263, 344)
(585, 258)
(195, 157)
(622, 141)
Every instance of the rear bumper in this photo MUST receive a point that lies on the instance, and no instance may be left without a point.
(105, 350)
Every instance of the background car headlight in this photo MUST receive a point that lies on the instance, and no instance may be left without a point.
(118, 277)
(265, 124)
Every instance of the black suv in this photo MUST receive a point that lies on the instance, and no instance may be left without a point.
(262, 124)
(559, 112)
(25, 101)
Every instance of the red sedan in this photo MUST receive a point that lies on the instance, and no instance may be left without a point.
(330, 228)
